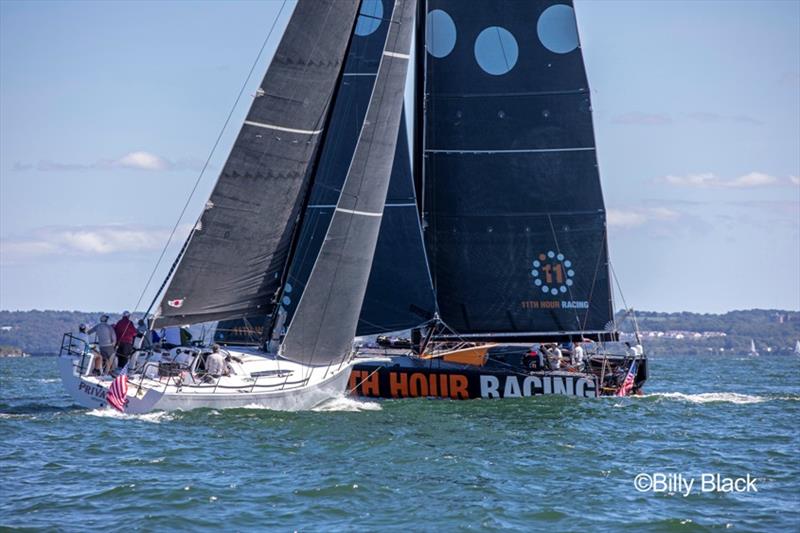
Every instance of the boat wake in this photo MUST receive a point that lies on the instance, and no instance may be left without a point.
(710, 397)
(154, 418)
(343, 403)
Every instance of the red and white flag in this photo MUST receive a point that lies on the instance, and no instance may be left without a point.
(118, 392)
(175, 303)
(627, 385)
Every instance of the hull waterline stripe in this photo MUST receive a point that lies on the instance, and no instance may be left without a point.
(520, 151)
(396, 54)
(354, 212)
(281, 128)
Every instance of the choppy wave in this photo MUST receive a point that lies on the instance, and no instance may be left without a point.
(709, 397)
(155, 417)
(343, 403)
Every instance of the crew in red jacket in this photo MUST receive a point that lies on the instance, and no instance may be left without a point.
(126, 332)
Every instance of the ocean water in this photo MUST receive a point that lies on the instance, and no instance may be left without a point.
(555, 463)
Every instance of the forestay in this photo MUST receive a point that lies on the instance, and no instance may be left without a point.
(238, 250)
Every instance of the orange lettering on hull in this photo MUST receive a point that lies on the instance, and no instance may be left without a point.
(458, 387)
(370, 386)
(418, 385)
(443, 385)
(398, 385)
(433, 388)
(355, 378)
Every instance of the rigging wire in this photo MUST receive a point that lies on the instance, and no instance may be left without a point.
(632, 312)
(201, 174)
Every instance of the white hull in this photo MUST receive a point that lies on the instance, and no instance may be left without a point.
(294, 387)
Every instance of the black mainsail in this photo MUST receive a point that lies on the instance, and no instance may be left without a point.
(512, 204)
(233, 263)
(326, 317)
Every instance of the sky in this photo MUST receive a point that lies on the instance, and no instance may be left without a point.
(108, 111)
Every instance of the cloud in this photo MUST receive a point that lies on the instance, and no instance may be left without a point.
(642, 119)
(716, 118)
(87, 241)
(631, 218)
(138, 160)
(709, 180)
(143, 161)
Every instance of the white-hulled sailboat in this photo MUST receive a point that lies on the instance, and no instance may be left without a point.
(235, 262)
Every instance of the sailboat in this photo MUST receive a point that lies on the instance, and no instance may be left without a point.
(753, 352)
(247, 240)
(512, 216)
(484, 236)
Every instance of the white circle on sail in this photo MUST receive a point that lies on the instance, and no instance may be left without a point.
(557, 29)
(496, 50)
(440, 33)
(369, 17)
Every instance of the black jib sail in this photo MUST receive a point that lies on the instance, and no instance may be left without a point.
(327, 314)
(399, 294)
(238, 250)
(512, 204)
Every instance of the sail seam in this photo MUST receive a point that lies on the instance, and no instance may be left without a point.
(515, 151)
(330, 206)
(354, 212)
(396, 54)
(281, 128)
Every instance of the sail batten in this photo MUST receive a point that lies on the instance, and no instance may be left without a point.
(232, 265)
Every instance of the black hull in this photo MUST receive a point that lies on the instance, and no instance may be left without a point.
(404, 376)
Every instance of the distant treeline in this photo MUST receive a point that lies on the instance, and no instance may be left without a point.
(39, 332)
(772, 331)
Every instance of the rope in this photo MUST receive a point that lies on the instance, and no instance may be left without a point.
(350, 391)
(633, 313)
(202, 172)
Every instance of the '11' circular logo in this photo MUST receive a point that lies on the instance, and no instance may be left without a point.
(552, 273)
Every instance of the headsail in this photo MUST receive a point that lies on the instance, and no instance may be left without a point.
(238, 250)
(512, 200)
(325, 321)
(399, 294)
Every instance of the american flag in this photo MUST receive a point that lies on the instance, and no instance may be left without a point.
(118, 391)
(627, 385)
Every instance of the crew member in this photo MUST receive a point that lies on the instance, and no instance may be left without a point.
(83, 345)
(557, 357)
(215, 363)
(577, 354)
(106, 342)
(126, 332)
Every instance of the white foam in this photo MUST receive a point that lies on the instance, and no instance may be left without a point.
(155, 418)
(342, 403)
(709, 397)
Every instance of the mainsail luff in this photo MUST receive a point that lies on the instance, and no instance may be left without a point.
(512, 203)
(232, 265)
(326, 318)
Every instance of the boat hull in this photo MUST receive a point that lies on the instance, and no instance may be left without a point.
(90, 392)
(409, 377)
